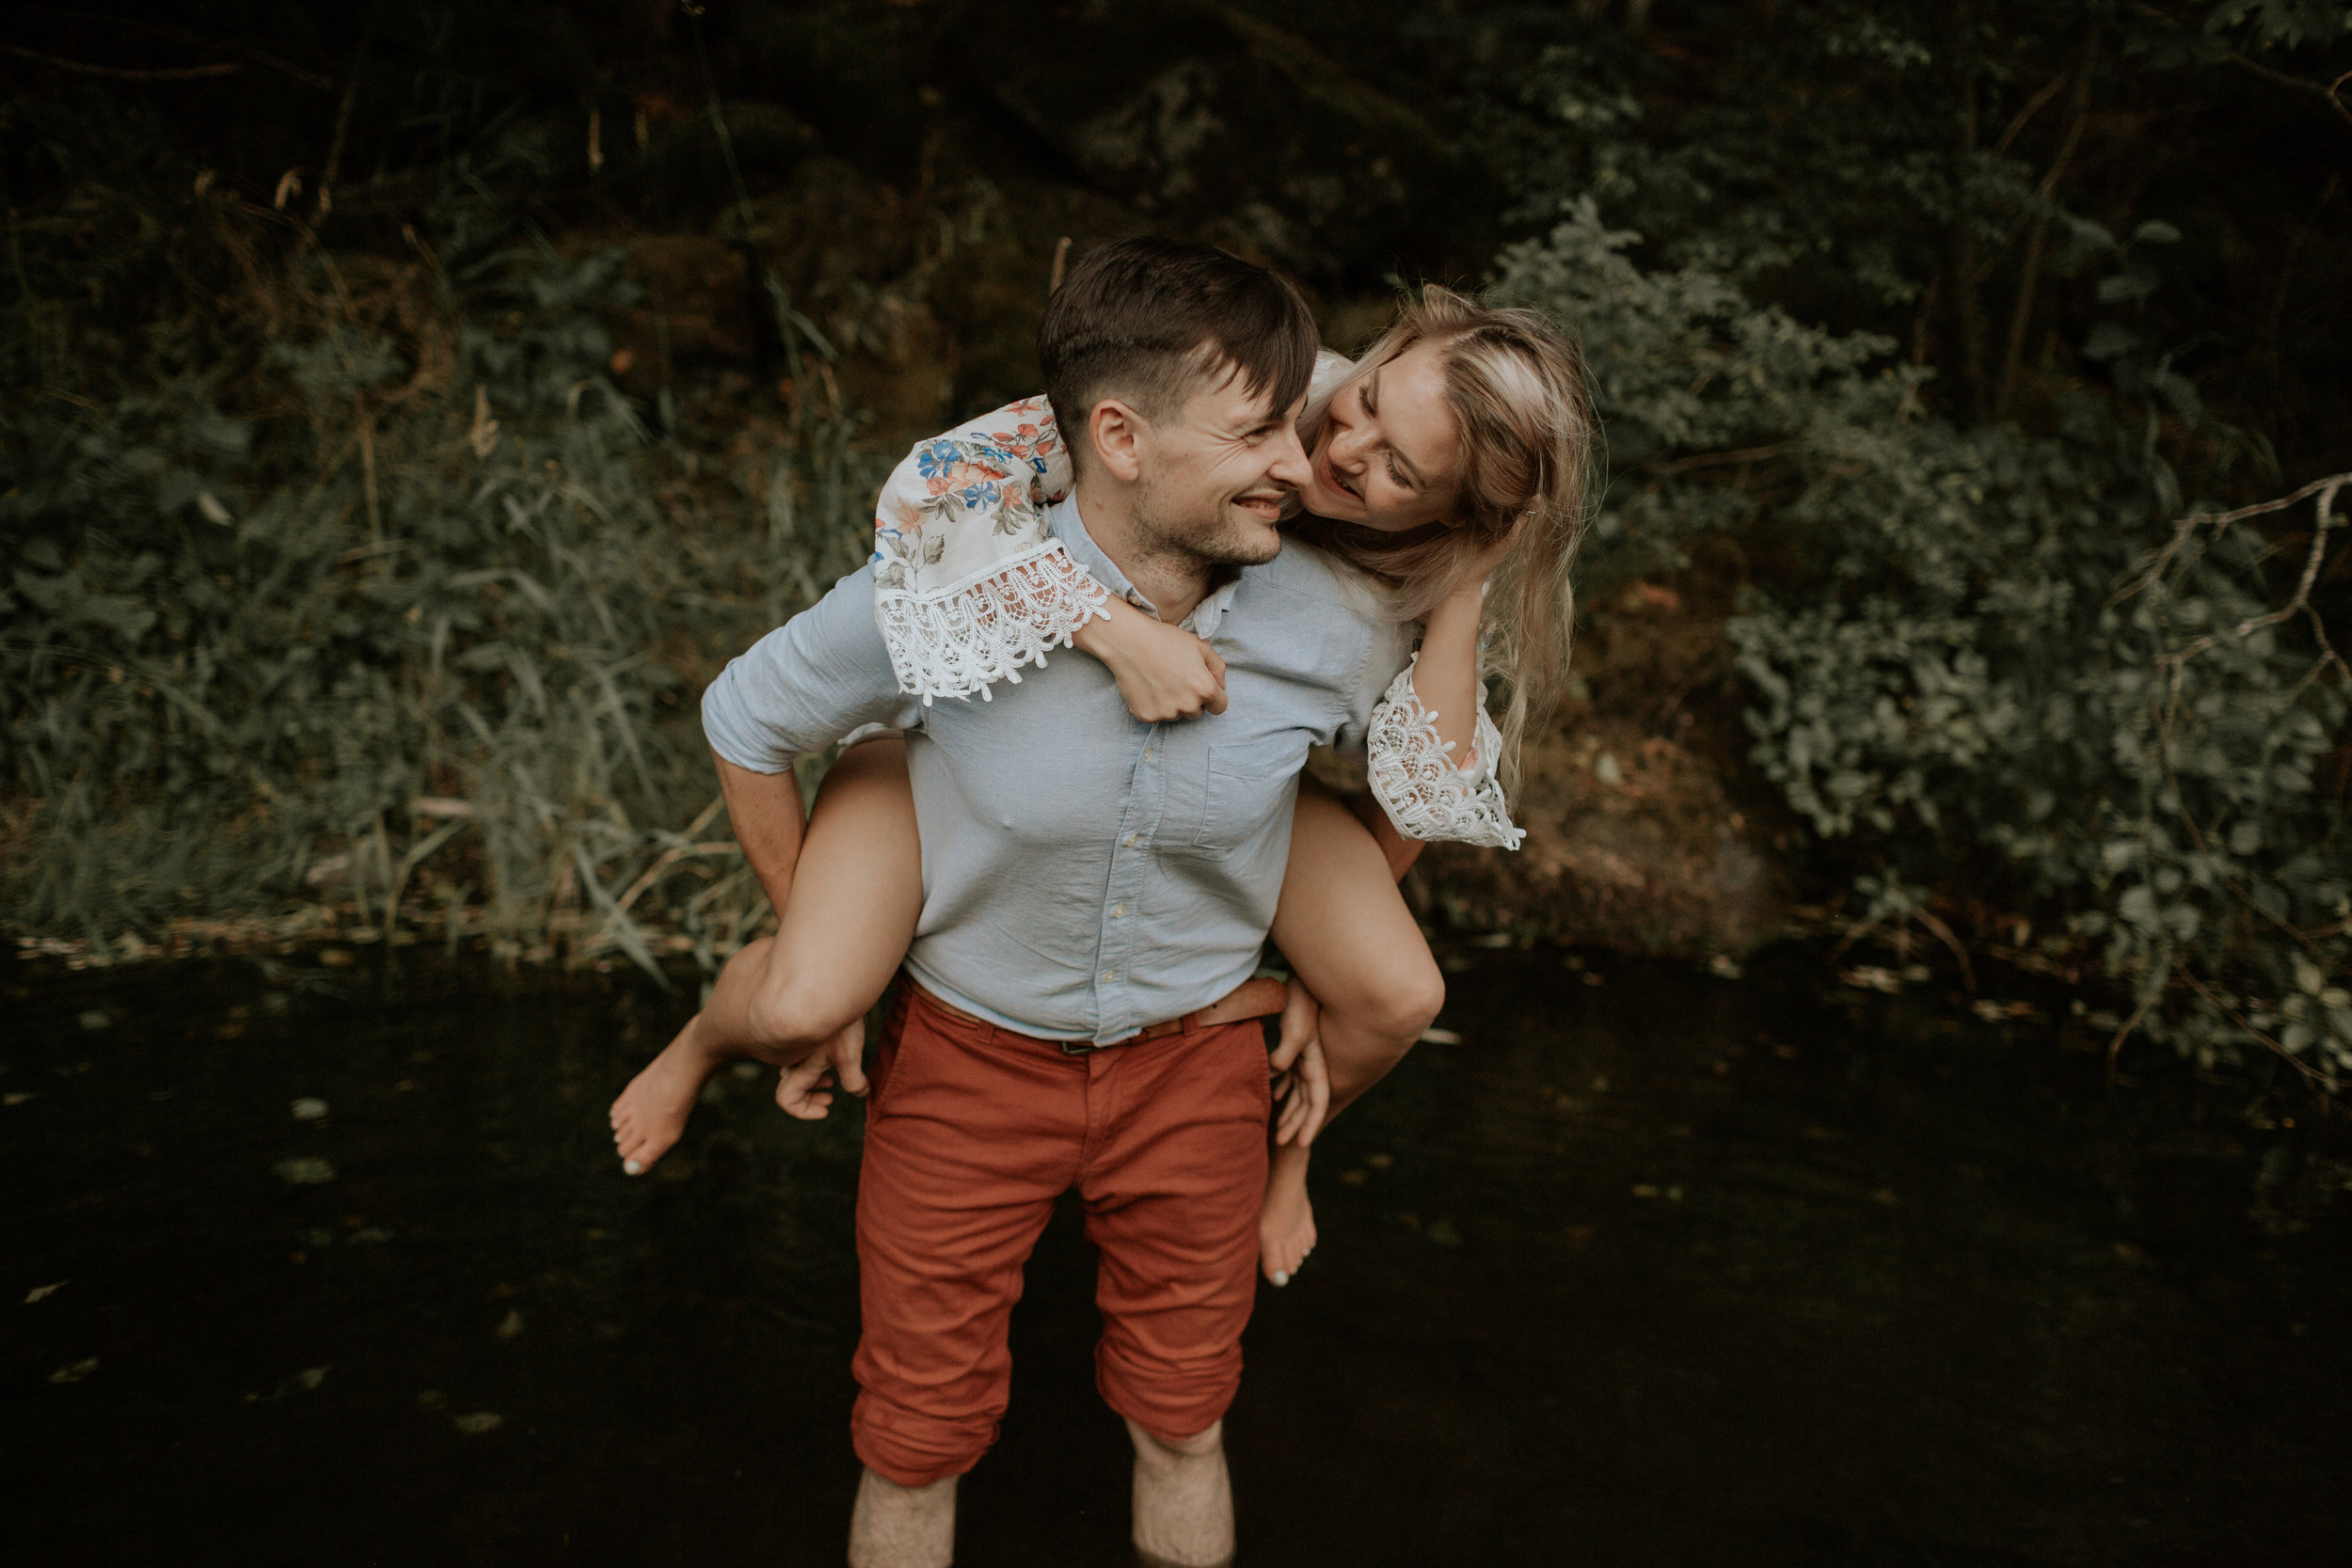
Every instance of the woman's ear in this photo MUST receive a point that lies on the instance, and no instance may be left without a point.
(1116, 431)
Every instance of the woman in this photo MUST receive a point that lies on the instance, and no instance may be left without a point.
(1450, 466)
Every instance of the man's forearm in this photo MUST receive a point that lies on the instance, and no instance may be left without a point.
(765, 810)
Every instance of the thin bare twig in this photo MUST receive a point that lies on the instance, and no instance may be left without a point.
(2310, 1075)
(1721, 459)
(342, 124)
(2299, 83)
(2013, 355)
(2299, 605)
(666, 860)
(2115, 1046)
(1943, 933)
(2033, 107)
(119, 24)
(2311, 574)
(119, 73)
(2145, 574)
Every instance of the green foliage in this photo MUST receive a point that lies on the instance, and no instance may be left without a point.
(1998, 660)
(394, 611)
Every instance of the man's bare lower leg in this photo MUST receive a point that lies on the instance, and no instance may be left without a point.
(1184, 1500)
(903, 1526)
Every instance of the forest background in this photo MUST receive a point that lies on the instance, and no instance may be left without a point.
(407, 407)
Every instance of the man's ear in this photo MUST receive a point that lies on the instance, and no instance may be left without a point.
(1117, 433)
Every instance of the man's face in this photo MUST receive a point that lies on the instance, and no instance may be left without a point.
(1215, 475)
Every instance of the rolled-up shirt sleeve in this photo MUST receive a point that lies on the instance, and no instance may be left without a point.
(807, 684)
(1389, 647)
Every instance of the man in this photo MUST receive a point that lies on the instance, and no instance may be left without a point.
(1096, 892)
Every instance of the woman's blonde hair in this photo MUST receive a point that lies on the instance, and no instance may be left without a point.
(1516, 385)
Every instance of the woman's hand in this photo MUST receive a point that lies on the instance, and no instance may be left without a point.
(1471, 587)
(1302, 1083)
(804, 1089)
(1164, 672)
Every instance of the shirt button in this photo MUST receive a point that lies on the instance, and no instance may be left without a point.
(1129, 841)
(1119, 911)
(1110, 975)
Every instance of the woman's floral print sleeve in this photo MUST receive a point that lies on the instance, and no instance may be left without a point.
(1426, 793)
(969, 585)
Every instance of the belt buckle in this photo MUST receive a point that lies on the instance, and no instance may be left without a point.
(1083, 1048)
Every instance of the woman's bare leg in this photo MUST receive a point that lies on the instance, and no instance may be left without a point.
(856, 892)
(1348, 936)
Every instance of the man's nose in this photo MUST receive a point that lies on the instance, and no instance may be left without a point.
(1289, 465)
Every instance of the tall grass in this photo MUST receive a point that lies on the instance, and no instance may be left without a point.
(347, 590)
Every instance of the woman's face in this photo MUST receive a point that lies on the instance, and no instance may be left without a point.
(1390, 450)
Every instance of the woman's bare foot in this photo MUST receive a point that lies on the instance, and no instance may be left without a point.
(1286, 1221)
(652, 1110)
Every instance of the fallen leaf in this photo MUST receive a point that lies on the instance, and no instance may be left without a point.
(310, 1108)
(1434, 1035)
(75, 1373)
(303, 1171)
(478, 1422)
(511, 1326)
(43, 1292)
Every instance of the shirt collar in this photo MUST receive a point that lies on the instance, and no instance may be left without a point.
(1063, 522)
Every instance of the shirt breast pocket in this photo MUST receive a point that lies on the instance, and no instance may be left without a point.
(1247, 783)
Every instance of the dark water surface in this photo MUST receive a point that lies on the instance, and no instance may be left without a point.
(1666, 1269)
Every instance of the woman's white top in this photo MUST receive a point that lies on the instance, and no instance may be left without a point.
(969, 586)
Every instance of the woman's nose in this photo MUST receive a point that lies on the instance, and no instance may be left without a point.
(1347, 448)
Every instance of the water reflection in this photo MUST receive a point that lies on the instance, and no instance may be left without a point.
(1670, 1268)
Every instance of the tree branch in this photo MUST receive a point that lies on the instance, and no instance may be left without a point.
(2326, 91)
(2013, 355)
(2033, 107)
(2152, 567)
(177, 73)
(1720, 459)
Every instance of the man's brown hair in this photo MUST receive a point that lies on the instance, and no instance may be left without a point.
(1147, 320)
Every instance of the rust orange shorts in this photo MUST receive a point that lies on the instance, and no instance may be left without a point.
(971, 1133)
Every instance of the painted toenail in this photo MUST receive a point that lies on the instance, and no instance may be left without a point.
(630, 1167)
(1280, 1278)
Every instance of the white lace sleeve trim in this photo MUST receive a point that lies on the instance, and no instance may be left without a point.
(955, 643)
(1420, 787)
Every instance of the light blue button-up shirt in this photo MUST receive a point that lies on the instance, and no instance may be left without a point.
(1085, 874)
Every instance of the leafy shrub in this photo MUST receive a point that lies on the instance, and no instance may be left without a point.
(2000, 660)
(386, 589)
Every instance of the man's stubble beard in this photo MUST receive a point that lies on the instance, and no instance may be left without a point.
(1200, 543)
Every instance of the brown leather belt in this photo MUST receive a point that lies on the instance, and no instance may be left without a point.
(1259, 998)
